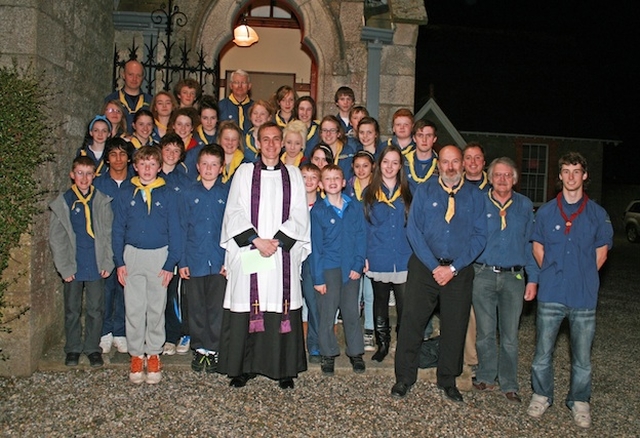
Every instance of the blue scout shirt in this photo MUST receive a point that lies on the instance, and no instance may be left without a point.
(134, 225)
(431, 237)
(569, 274)
(388, 248)
(511, 246)
(338, 239)
(87, 264)
(202, 212)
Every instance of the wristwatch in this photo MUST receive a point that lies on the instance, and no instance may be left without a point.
(453, 270)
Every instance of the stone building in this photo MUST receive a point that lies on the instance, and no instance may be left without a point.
(367, 45)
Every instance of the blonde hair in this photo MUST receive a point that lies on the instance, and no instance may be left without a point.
(296, 127)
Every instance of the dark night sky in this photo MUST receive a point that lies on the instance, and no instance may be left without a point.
(564, 68)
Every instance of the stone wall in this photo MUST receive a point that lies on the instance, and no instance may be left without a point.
(69, 42)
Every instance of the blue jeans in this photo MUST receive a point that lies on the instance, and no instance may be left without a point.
(582, 326)
(366, 296)
(113, 306)
(309, 294)
(497, 300)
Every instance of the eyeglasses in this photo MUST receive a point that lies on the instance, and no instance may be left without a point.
(82, 173)
(503, 175)
(113, 110)
(327, 131)
(239, 83)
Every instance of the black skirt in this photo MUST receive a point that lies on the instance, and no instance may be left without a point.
(268, 353)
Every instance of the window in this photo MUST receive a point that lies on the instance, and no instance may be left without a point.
(535, 166)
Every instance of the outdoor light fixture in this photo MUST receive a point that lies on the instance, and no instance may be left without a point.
(244, 35)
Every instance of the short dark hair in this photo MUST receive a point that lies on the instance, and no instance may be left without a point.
(344, 91)
(331, 166)
(574, 158)
(268, 124)
(209, 102)
(117, 143)
(473, 144)
(423, 123)
(172, 138)
(214, 150)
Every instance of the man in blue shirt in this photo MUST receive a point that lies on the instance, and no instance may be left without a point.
(236, 107)
(447, 231)
(499, 281)
(571, 238)
(131, 95)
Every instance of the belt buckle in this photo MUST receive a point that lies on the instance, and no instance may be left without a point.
(496, 269)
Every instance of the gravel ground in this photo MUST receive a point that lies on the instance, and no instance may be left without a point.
(56, 401)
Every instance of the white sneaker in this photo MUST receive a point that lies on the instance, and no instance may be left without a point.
(184, 345)
(581, 412)
(538, 405)
(120, 342)
(105, 343)
(369, 343)
(169, 349)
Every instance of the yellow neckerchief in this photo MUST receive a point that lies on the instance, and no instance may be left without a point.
(485, 180)
(451, 207)
(87, 211)
(280, 121)
(410, 147)
(135, 142)
(249, 141)
(234, 101)
(124, 103)
(159, 182)
(100, 165)
(160, 125)
(382, 197)
(339, 147)
(502, 208)
(357, 189)
(312, 130)
(297, 161)
(202, 135)
(236, 161)
(411, 157)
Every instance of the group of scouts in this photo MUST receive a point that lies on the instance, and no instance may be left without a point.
(242, 230)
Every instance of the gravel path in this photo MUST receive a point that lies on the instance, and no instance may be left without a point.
(56, 401)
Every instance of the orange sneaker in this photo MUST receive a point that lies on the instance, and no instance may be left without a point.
(154, 369)
(136, 373)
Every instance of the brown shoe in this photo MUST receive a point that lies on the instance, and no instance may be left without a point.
(484, 387)
(513, 397)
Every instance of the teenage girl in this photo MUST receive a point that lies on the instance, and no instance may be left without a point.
(114, 112)
(260, 112)
(206, 133)
(142, 129)
(321, 155)
(293, 139)
(369, 136)
(386, 208)
(363, 164)
(93, 147)
(183, 122)
(305, 111)
(332, 134)
(162, 107)
(284, 100)
(229, 136)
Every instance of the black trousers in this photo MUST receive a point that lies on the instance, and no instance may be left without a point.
(421, 297)
(206, 295)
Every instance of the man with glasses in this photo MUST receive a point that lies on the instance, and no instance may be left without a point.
(499, 282)
(236, 106)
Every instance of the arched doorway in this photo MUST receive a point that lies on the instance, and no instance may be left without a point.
(280, 57)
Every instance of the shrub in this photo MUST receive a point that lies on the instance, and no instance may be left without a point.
(24, 136)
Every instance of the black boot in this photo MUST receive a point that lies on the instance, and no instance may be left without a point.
(383, 338)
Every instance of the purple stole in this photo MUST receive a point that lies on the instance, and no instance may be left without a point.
(256, 316)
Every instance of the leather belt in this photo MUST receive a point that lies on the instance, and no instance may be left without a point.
(498, 269)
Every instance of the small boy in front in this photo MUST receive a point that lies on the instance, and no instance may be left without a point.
(338, 239)
(311, 176)
(147, 245)
(201, 266)
(80, 239)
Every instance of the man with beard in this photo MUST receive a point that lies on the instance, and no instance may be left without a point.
(447, 231)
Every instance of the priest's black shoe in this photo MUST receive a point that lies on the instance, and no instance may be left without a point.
(72, 359)
(286, 383)
(400, 389)
(452, 393)
(95, 359)
(240, 381)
